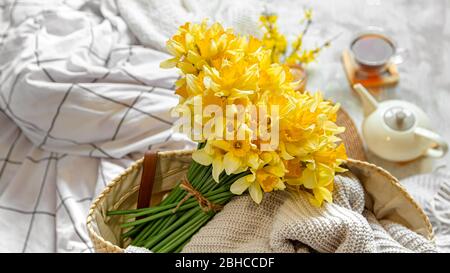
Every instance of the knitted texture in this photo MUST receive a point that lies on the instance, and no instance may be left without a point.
(286, 222)
(432, 192)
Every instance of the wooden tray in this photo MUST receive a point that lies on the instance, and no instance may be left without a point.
(373, 83)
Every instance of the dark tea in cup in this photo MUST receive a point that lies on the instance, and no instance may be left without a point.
(373, 52)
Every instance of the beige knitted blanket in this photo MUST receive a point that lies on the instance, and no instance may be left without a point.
(286, 222)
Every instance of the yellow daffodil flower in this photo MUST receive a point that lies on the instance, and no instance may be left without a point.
(237, 73)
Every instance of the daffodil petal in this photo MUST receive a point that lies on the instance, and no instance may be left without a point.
(284, 154)
(175, 48)
(170, 63)
(326, 175)
(217, 168)
(275, 170)
(191, 81)
(222, 144)
(254, 161)
(280, 185)
(255, 192)
(294, 181)
(241, 185)
(201, 157)
(313, 201)
(309, 179)
(231, 163)
(323, 194)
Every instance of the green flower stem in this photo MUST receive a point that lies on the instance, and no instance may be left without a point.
(193, 171)
(156, 209)
(170, 211)
(198, 182)
(173, 205)
(170, 197)
(208, 185)
(158, 215)
(197, 178)
(150, 232)
(155, 225)
(164, 224)
(164, 241)
(133, 231)
(148, 229)
(180, 235)
(186, 237)
(173, 227)
(141, 235)
(180, 248)
(158, 225)
(199, 173)
(185, 232)
(173, 218)
(194, 168)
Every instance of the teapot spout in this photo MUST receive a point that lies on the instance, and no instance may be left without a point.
(369, 102)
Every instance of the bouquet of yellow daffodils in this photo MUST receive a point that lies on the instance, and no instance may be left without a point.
(255, 134)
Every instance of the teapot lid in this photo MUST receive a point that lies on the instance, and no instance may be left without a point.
(399, 118)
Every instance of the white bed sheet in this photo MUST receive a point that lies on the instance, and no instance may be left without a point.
(78, 96)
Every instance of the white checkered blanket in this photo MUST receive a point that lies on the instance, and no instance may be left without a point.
(78, 96)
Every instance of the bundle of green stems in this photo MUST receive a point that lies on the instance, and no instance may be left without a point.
(169, 226)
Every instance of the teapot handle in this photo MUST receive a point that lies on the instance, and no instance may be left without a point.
(442, 147)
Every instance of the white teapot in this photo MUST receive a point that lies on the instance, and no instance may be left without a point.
(397, 130)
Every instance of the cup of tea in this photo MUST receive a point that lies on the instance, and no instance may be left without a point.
(373, 51)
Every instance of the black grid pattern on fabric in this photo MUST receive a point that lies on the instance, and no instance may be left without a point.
(9, 112)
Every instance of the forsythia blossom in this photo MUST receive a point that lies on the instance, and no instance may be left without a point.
(273, 39)
(277, 43)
